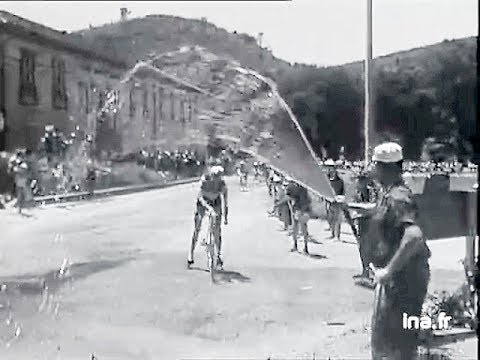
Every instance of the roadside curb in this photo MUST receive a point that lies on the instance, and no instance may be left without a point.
(124, 190)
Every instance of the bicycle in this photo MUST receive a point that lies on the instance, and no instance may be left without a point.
(209, 242)
(257, 178)
(243, 181)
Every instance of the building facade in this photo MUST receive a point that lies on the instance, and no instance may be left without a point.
(46, 78)
(158, 111)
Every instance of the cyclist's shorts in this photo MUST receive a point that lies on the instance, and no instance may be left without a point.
(201, 210)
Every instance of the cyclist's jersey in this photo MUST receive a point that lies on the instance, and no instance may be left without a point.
(211, 189)
(243, 169)
(271, 175)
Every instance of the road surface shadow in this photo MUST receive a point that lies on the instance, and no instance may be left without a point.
(230, 277)
(53, 280)
(315, 241)
(196, 268)
(316, 256)
(28, 216)
(349, 242)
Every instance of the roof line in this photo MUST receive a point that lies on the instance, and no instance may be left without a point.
(23, 27)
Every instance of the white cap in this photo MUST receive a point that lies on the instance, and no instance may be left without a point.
(329, 162)
(388, 153)
(216, 169)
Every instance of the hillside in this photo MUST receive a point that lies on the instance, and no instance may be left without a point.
(138, 38)
(425, 98)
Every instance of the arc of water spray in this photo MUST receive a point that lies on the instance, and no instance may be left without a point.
(284, 105)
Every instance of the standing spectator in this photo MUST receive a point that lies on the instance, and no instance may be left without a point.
(363, 195)
(278, 194)
(270, 182)
(43, 176)
(22, 185)
(91, 178)
(284, 206)
(301, 206)
(399, 259)
(329, 166)
(336, 206)
(341, 155)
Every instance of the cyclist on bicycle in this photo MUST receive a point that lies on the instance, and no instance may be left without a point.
(242, 172)
(256, 171)
(209, 200)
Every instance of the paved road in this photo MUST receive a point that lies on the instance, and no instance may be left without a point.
(128, 295)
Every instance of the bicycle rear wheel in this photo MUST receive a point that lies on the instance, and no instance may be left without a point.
(211, 260)
(211, 251)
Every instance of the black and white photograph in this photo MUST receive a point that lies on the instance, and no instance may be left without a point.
(255, 180)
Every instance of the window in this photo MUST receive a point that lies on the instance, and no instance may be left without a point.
(190, 109)
(59, 91)
(81, 96)
(131, 100)
(160, 109)
(84, 97)
(154, 126)
(87, 100)
(101, 99)
(182, 112)
(172, 106)
(145, 102)
(28, 94)
(116, 103)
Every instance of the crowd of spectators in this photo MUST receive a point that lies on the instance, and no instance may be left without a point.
(63, 164)
(187, 163)
(412, 167)
(180, 164)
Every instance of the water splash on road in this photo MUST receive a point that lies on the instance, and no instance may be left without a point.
(23, 296)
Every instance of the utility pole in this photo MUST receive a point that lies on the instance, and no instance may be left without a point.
(368, 85)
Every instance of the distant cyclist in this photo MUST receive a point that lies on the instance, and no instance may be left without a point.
(242, 172)
(212, 189)
(256, 171)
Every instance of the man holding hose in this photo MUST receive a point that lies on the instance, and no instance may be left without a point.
(399, 259)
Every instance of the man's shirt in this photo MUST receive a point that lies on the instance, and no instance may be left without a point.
(243, 168)
(396, 210)
(300, 197)
(338, 186)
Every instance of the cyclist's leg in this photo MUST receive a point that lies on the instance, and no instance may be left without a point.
(295, 232)
(20, 198)
(218, 234)
(199, 213)
(338, 221)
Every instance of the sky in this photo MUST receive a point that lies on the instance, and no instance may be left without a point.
(320, 32)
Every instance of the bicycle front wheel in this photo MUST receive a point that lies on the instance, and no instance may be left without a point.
(211, 256)
(210, 242)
